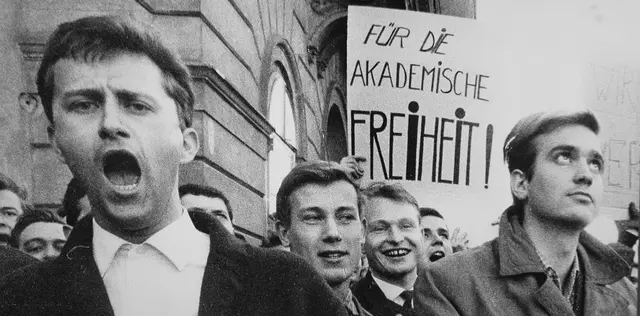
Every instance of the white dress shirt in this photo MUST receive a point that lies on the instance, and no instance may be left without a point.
(391, 291)
(162, 276)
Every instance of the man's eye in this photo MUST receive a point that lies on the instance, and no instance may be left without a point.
(445, 236)
(83, 106)
(138, 106)
(596, 165)
(33, 249)
(564, 157)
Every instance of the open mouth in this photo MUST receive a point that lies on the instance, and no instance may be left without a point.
(121, 169)
(396, 252)
(436, 256)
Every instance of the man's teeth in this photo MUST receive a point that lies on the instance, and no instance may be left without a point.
(396, 253)
(332, 255)
(127, 187)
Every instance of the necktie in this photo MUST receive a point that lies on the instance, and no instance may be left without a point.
(408, 297)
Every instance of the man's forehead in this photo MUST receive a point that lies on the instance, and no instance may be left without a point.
(384, 209)
(574, 135)
(9, 198)
(433, 222)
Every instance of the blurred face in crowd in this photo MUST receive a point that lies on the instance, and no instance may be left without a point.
(43, 241)
(118, 130)
(10, 209)
(326, 229)
(392, 238)
(213, 206)
(566, 185)
(435, 238)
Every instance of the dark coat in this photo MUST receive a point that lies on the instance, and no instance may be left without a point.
(12, 259)
(239, 279)
(506, 276)
(373, 300)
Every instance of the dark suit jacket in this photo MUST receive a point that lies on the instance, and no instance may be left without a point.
(239, 279)
(373, 300)
(12, 259)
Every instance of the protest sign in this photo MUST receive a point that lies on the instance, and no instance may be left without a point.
(425, 109)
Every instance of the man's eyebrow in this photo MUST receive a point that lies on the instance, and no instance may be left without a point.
(32, 240)
(596, 154)
(8, 208)
(91, 93)
(563, 148)
(128, 95)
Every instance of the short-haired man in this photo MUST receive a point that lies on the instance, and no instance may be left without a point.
(12, 198)
(542, 262)
(435, 235)
(437, 240)
(40, 234)
(209, 200)
(393, 248)
(319, 219)
(120, 104)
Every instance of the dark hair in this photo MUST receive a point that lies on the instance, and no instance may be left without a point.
(272, 240)
(29, 217)
(97, 38)
(316, 172)
(70, 206)
(8, 184)
(197, 189)
(389, 190)
(519, 148)
(427, 211)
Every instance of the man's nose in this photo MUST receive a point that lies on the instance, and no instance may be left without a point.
(395, 235)
(331, 231)
(50, 253)
(583, 173)
(112, 125)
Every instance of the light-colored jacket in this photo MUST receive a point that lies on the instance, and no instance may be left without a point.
(505, 276)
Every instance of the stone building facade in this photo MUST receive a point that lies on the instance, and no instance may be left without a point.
(269, 78)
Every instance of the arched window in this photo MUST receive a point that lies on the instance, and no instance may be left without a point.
(282, 154)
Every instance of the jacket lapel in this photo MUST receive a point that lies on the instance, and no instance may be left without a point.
(81, 285)
(224, 273)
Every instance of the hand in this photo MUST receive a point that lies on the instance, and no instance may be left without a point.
(459, 241)
(353, 166)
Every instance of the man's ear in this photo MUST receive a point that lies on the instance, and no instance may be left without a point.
(54, 143)
(190, 144)
(283, 233)
(363, 230)
(519, 184)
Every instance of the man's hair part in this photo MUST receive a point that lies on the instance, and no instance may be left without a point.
(98, 38)
(314, 172)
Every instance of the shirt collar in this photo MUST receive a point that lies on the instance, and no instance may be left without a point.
(180, 242)
(391, 291)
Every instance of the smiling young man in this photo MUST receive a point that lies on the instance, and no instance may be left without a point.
(392, 246)
(119, 104)
(542, 263)
(318, 214)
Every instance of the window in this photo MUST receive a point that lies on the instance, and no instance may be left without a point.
(282, 154)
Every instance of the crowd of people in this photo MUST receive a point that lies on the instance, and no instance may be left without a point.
(134, 242)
